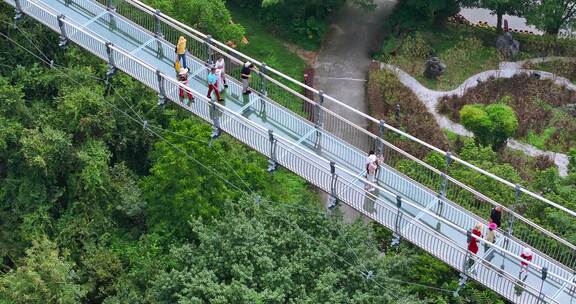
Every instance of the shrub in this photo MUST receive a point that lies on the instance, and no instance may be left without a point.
(415, 46)
(491, 125)
(475, 119)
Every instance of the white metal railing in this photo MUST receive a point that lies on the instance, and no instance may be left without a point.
(319, 173)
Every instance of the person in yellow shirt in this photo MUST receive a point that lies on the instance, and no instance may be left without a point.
(181, 51)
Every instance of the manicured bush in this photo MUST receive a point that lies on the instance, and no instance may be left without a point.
(491, 125)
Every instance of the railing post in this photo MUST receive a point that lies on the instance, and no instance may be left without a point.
(508, 232)
(111, 65)
(158, 34)
(272, 164)
(396, 236)
(517, 193)
(443, 188)
(208, 44)
(18, 12)
(544, 276)
(467, 265)
(215, 120)
(63, 39)
(111, 10)
(381, 134)
(161, 89)
(263, 90)
(468, 260)
(157, 28)
(333, 200)
(397, 115)
(318, 118)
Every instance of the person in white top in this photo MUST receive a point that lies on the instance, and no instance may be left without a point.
(371, 169)
(220, 66)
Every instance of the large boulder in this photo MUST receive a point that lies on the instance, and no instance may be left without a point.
(434, 68)
(507, 45)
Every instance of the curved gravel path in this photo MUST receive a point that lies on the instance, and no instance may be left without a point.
(430, 99)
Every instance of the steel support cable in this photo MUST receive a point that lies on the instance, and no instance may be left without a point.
(447, 223)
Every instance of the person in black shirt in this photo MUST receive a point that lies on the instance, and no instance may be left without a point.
(496, 215)
(245, 75)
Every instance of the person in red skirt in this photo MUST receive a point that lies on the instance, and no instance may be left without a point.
(473, 243)
(526, 256)
(183, 79)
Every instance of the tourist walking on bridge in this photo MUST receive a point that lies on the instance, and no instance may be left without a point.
(496, 216)
(213, 84)
(526, 256)
(245, 75)
(371, 169)
(181, 51)
(473, 242)
(182, 89)
(490, 236)
(220, 66)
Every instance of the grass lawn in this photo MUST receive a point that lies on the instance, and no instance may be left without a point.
(267, 47)
(465, 50)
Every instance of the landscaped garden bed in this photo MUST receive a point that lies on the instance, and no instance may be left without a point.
(563, 68)
(385, 92)
(543, 109)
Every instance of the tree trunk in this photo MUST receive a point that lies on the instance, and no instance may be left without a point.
(499, 22)
(553, 30)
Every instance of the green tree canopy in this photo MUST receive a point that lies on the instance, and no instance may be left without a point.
(492, 124)
(43, 277)
(413, 14)
(268, 253)
(210, 17)
(551, 15)
(501, 7)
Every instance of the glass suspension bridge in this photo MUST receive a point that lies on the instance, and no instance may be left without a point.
(420, 203)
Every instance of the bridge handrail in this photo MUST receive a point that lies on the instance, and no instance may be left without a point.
(150, 10)
(343, 169)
